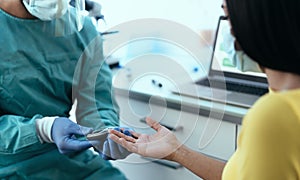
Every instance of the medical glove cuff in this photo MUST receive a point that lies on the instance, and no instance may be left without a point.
(43, 127)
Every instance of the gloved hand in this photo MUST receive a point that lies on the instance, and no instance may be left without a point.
(64, 133)
(112, 150)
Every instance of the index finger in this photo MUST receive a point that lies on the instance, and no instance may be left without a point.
(130, 146)
(121, 135)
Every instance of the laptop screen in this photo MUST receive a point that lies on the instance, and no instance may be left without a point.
(222, 58)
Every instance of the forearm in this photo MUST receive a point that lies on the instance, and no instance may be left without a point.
(201, 165)
(18, 133)
(96, 106)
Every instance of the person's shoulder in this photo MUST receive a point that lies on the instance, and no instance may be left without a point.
(89, 26)
(273, 108)
(272, 102)
(84, 23)
(270, 130)
(271, 120)
(88, 22)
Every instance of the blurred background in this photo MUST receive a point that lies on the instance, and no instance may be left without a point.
(199, 15)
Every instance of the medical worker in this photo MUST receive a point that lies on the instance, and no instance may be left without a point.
(50, 57)
(268, 146)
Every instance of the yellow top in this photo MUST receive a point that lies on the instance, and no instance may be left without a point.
(269, 143)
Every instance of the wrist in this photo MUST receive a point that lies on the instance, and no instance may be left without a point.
(179, 154)
(43, 127)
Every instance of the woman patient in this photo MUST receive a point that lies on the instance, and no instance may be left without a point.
(268, 145)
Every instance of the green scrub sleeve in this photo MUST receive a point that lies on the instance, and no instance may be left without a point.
(96, 106)
(18, 134)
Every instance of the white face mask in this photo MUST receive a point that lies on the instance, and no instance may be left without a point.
(46, 10)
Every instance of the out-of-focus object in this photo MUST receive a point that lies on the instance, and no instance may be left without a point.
(93, 8)
(244, 63)
(224, 83)
(236, 56)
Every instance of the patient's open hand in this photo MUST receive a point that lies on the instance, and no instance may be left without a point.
(162, 144)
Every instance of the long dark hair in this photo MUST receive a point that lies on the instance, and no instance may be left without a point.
(268, 31)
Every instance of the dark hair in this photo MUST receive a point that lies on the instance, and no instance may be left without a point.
(268, 31)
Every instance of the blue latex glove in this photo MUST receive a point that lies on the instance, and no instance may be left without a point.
(112, 150)
(64, 132)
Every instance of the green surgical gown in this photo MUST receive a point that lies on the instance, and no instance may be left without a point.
(41, 75)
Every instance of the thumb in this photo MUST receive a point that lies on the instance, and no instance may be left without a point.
(77, 145)
(153, 124)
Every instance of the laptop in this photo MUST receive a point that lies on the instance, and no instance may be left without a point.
(224, 82)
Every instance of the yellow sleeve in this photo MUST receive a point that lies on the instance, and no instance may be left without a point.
(268, 146)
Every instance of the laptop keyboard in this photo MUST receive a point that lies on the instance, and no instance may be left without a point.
(242, 88)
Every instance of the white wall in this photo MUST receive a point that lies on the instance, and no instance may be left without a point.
(200, 16)
(196, 14)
